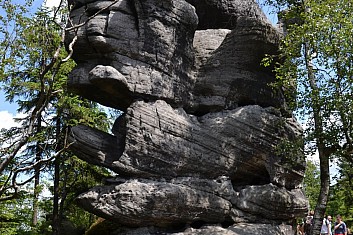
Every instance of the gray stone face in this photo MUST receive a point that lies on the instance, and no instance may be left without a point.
(159, 141)
(229, 73)
(204, 144)
(148, 42)
(163, 203)
(141, 202)
(271, 202)
(239, 229)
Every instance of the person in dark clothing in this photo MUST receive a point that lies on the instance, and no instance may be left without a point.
(340, 227)
(308, 225)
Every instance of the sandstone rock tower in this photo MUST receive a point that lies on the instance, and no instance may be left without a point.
(196, 150)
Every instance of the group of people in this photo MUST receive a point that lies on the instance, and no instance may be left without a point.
(328, 228)
(338, 228)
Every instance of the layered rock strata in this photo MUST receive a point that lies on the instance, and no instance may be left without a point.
(200, 146)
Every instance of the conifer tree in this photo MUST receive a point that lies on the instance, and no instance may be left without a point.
(33, 73)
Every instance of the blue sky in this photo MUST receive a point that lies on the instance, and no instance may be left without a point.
(6, 106)
(8, 111)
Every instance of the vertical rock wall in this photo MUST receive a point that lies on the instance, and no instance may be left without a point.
(197, 150)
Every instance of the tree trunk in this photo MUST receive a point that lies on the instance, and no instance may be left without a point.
(56, 224)
(56, 218)
(320, 208)
(37, 175)
(323, 151)
(63, 194)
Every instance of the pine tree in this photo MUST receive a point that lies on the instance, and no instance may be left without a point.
(33, 72)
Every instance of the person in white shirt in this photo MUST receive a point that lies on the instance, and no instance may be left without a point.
(326, 226)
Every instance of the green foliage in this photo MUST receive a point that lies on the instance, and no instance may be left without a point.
(326, 30)
(15, 214)
(316, 74)
(341, 194)
(33, 73)
(77, 177)
(312, 183)
(8, 220)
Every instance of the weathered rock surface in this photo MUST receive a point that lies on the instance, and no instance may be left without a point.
(146, 202)
(147, 42)
(271, 202)
(163, 203)
(160, 141)
(199, 148)
(241, 229)
(229, 71)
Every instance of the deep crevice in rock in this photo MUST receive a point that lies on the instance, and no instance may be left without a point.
(198, 224)
(227, 223)
(261, 178)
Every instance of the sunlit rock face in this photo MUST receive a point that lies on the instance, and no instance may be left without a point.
(133, 49)
(198, 148)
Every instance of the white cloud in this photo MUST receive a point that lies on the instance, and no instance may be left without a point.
(7, 120)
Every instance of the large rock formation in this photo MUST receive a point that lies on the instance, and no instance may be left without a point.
(198, 148)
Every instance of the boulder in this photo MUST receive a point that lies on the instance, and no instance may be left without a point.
(159, 141)
(271, 202)
(229, 72)
(142, 202)
(238, 229)
(188, 201)
(205, 145)
(149, 43)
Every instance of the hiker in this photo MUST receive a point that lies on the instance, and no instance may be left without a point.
(326, 226)
(340, 227)
(308, 225)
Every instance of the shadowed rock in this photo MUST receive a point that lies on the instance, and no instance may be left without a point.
(239, 229)
(229, 71)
